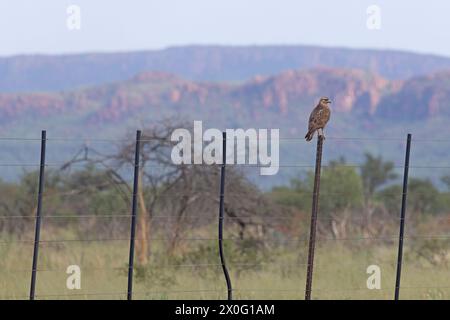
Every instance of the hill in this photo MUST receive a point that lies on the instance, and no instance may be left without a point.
(204, 63)
(266, 100)
(366, 105)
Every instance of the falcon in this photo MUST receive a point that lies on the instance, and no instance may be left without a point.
(319, 118)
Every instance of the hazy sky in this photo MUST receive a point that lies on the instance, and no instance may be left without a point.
(30, 26)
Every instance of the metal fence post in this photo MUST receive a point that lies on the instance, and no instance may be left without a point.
(402, 217)
(133, 214)
(37, 230)
(221, 205)
(315, 207)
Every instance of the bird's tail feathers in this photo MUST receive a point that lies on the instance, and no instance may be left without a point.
(309, 135)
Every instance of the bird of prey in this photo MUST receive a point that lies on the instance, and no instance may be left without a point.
(319, 118)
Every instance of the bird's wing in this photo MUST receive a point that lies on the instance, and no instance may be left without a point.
(326, 115)
(318, 118)
(314, 118)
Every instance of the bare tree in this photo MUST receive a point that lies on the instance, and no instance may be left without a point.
(182, 194)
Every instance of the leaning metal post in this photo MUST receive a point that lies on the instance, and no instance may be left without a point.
(402, 218)
(37, 231)
(315, 207)
(133, 215)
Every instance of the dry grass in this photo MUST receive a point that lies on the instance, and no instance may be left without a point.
(340, 273)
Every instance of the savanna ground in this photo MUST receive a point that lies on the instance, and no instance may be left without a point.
(279, 273)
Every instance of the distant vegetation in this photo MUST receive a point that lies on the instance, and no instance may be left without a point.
(88, 198)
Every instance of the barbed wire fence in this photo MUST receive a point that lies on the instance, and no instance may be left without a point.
(132, 216)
